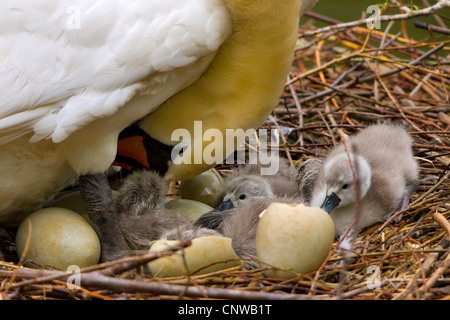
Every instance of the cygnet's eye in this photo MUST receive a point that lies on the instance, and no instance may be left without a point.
(242, 196)
(345, 186)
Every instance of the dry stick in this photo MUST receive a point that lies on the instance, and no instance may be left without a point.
(299, 108)
(406, 48)
(141, 260)
(328, 91)
(312, 288)
(83, 291)
(22, 258)
(320, 17)
(324, 66)
(385, 255)
(409, 46)
(435, 16)
(363, 79)
(431, 258)
(405, 66)
(330, 116)
(349, 94)
(428, 88)
(420, 85)
(421, 25)
(399, 109)
(328, 128)
(316, 40)
(99, 280)
(390, 41)
(405, 16)
(422, 218)
(286, 146)
(438, 60)
(405, 292)
(432, 189)
(383, 44)
(427, 264)
(445, 224)
(346, 73)
(109, 268)
(355, 292)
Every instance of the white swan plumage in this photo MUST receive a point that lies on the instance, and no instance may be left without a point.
(75, 73)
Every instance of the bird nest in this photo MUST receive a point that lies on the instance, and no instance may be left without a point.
(341, 80)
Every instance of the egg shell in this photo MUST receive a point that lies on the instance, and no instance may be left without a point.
(191, 209)
(293, 237)
(59, 238)
(205, 254)
(202, 188)
(73, 201)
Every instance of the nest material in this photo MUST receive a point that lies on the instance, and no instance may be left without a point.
(339, 83)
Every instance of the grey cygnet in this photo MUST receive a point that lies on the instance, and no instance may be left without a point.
(380, 161)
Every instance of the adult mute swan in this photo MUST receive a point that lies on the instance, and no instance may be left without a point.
(75, 73)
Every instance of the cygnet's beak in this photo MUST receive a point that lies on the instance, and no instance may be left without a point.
(226, 205)
(331, 202)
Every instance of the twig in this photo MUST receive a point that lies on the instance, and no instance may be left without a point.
(355, 292)
(392, 98)
(420, 84)
(299, 108)
(446, 263)
(405, 65)
(22, 257)
(99, 280)
(349, 94)
(435, 16)
(333, 88)
(421, 25)
(405, 16)
(432, 189)
(110, 268)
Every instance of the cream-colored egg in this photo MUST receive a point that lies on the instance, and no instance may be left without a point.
(202, 188)
(191, 209)
(205, 254)
(293, 237)
(73, 201)
(59, 238)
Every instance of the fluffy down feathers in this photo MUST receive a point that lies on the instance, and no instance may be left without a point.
(142, 216)
(247, 179)
(385, 170)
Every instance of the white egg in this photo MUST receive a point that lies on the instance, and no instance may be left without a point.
(191, 209)
(205, 254)
(293, 237)
(59, 238)
(202, 188)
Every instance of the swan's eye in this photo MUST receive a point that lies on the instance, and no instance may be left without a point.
(345, 186)
(242, 196)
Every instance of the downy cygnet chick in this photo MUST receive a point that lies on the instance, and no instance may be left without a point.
(243, 195)
(381, 160)
(246, 184)
(143, 218)
(247, 180)
(142, 214)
